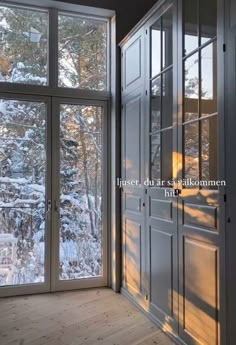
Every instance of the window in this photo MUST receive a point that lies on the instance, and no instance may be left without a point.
(80, 191)
(22, 191)
(54, 90)
(82, 52)
(25, 48)
(24, 45)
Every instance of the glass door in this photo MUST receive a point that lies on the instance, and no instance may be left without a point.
(201, 202)
(161, 147)
(79, 231)
(24, 194)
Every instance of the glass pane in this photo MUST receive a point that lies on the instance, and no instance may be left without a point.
(167, 38)
(167, 99)
(156, 104)
(156, 157)
(190, 26)
(191, 151)
(191, 70)
(24, 45)
(81, 192)
(208, 23)
(156, 48)
(166, 155)
(82, 52)
(209, 80)
(22, 191)
(209, 148)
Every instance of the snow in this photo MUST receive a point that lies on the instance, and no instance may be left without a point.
(9, 238)
(37, 188)
(3, 108)
(9, 180)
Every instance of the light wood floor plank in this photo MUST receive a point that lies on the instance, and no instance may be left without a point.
(87, 317)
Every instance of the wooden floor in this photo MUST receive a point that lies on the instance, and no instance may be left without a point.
(88, 317)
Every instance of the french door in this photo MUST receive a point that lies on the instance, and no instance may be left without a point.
(52, 194)
(79, 212)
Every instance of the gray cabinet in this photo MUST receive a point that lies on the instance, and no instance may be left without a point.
(173, 229)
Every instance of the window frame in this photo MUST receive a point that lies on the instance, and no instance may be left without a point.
(54, 95)
(52, 89)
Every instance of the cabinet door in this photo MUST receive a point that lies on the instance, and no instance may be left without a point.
(201, 235)
(133, 196)
(161, 148)
(133, 63)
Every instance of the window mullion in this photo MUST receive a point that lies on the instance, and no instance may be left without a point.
(53, 48)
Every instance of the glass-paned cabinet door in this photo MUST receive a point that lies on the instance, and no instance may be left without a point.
(200, 113)
(161, 132)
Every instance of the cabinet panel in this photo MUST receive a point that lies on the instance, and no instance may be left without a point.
(161, 271)
(200, 289)
(133, 63)
(133, 231)
(132, 238)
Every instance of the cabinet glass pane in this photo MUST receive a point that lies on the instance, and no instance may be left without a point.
(209, 147)
(208, 23)
(80, 192)
(156, 157)
(22, 191)
(190, 11)
(24, 45)
(82, 52)
(167, 99)
(167, 38)
(209, 80)
(191, 151)
(166, 155)
(161, 153)
(191, 88)
(156, 104)
(156, 48)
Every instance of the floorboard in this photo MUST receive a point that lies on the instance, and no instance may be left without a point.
(86, 317)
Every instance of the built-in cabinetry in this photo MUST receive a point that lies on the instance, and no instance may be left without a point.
(173, 230)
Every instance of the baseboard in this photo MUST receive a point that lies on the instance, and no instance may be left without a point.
(152, 318)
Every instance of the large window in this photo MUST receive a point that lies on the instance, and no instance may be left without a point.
(25, 46)
(54, 89)
(82, 52)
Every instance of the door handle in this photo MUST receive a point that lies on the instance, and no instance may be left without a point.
(177, 192)
(49, 209)
(56, 206)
